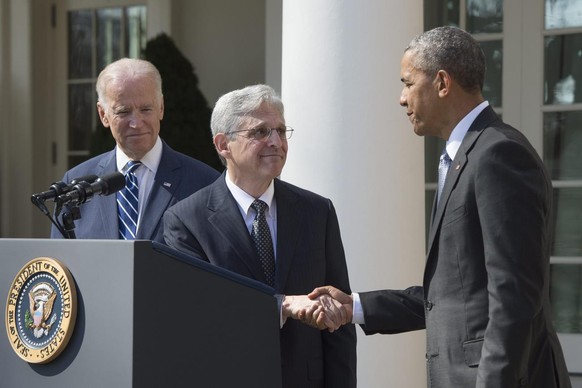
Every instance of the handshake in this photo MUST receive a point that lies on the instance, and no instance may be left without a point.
(324, 308)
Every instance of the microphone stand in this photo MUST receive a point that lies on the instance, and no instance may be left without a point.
(40, 204)
(68, 219)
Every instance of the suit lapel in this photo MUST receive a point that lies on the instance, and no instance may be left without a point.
(289, 219)
(107, 205)
(166, 182)
(227, 221)
(483, 120)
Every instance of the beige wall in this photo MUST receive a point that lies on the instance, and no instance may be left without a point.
(224, 40)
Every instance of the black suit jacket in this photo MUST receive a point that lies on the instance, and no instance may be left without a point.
(177, 177)
(485, 296)
(310, 253)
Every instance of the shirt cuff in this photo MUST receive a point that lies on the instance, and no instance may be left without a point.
(280, 298)
(358, 312)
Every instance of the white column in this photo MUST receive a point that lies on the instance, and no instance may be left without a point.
(354, 144)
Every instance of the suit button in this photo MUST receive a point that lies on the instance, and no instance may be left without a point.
(523, 382)
(428, 305)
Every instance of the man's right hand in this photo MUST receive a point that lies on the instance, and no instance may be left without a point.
(341, 300)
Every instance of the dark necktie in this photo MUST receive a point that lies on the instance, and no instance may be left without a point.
(263, 243)
(444, 164)
(127, 205)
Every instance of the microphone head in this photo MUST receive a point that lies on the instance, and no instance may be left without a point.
(111, 183)
(84, 178)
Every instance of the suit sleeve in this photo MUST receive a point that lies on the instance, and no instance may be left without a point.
(178, 236)
(393, 311)
(513, 201)
(340, 346)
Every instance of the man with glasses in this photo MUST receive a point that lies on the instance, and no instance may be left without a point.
(298, 248)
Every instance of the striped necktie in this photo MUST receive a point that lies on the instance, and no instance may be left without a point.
(127, 205)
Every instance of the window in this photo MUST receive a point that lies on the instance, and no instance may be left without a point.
(554, 122)
(562, 135)
(97, 37)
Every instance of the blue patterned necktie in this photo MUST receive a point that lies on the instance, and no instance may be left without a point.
(263, 243)
(444, 164)
(127, 204)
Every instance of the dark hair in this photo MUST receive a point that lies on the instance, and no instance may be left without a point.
(453, 50)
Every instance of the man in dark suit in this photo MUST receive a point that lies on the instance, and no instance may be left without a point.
(217, 224)
(131, 104)
(485, 295)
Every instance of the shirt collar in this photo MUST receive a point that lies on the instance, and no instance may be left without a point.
(151, 160)
(245, 200)
(460, 130)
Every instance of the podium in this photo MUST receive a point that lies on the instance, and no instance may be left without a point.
(148, 316)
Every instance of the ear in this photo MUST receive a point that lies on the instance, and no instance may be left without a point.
(102, 115)
(221, 143)
(443, 81)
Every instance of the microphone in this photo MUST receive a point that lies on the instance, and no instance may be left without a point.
(61, 187)
(84, 191)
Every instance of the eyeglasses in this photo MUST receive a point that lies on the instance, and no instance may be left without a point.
(262, 134)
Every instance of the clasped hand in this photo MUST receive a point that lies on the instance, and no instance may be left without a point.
(324, 308)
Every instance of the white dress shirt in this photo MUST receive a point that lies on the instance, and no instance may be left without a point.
(145, 173)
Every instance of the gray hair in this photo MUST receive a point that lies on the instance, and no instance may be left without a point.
(232, 107)
(127, 68)
(453, 50)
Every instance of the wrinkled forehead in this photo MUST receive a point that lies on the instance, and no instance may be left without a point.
(266, 114)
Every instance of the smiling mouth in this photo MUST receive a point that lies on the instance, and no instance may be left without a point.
(137, 134)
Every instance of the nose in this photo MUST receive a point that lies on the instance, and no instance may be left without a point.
(274, 139)
(403, 101)
(135, 119)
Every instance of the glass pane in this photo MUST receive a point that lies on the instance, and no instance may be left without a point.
(494, 59)
(563, 13)
(567, 222)
(80, 115)
(563, 145)
(484, 16)
(80, 44)
(563, 69)
(566, 297)
(108, 36)
(136, 31)
(441, 13)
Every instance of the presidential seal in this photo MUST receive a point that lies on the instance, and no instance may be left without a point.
(41, 310)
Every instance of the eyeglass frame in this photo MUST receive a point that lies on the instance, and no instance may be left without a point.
(286, 135)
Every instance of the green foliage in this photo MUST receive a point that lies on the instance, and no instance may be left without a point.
(186, 123)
